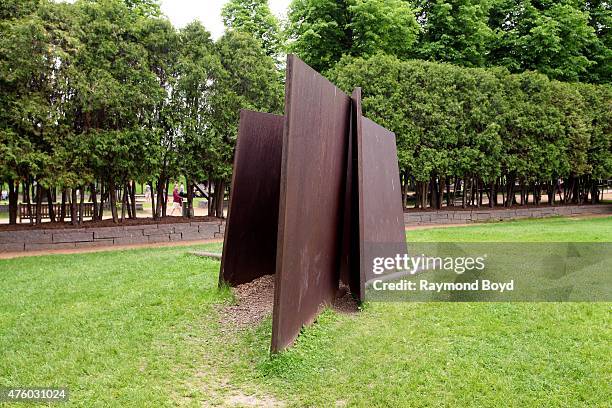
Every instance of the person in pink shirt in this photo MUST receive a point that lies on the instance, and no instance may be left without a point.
(177, 200)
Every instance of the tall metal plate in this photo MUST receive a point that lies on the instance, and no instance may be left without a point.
(249, 249)
(349, 264)
(313, 177)
(381, 218)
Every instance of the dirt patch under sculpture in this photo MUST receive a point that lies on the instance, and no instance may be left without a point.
(255, 301)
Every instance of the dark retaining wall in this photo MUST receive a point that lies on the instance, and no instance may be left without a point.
(49, 239)
(486, 214)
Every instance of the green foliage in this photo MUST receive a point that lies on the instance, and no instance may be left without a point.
(11, 9)
(255, 18)
(555, 38)
(322, 31)
(455, 31)
(198, 70)
(452, 121)
(249, 81)
(567, 40)
(385, 26)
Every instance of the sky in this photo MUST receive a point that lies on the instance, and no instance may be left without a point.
(182, 12)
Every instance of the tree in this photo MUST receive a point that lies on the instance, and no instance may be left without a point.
(27, 61)
(553, 38)
(322, 31)
(255, 18)
(162, 43)
(12, 9)
(116, 92)
(386, 26)
(198, 70)
(145, 8)
(455, 31)
(600, 18)
(249, 80)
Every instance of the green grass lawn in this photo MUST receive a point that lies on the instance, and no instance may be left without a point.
(554, 229)
(141, 328)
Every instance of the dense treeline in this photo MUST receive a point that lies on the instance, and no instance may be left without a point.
(99, 95)
(465, 133)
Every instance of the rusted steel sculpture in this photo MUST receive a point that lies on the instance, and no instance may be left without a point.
(311, 210)
(249, 247)
(379, 214)
(313, 176)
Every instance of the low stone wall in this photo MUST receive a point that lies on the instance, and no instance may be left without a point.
(49, 239)
(486, 214)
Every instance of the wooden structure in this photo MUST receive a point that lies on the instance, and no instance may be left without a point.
(28, 211)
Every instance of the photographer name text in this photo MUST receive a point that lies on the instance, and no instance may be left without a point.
(423, 285)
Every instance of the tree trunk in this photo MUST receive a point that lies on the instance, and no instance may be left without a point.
(160, 197)
(510, 191)
(209, 199)
(94, 199)
(81, 201)
(73, 206)
(166, 193)
(103, 197)
(154, 212)
(404, 187)
(50, 203)
(63, 205)
(39, 197)
(550, 192)
(594, 192)
(441, 184)
(112, 191)
(13, 201)
(26, 192)
(433, 187)
(189, 199)
(133, 198)
(123, 202)
(219, 198)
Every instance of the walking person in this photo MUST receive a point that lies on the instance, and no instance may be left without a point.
(177, 200)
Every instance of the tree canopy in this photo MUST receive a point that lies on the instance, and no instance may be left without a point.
(255, 18)
(567, 40)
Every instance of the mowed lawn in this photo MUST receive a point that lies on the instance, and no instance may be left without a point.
(142, 328)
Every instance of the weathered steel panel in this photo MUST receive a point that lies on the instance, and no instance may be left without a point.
(349, 265)
(249, 249)
(381, 216)
(313, 178)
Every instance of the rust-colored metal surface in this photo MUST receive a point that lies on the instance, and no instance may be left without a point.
(249, 249)
(313, 178)
(380, 214)
(315, 195)
(349, 265)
